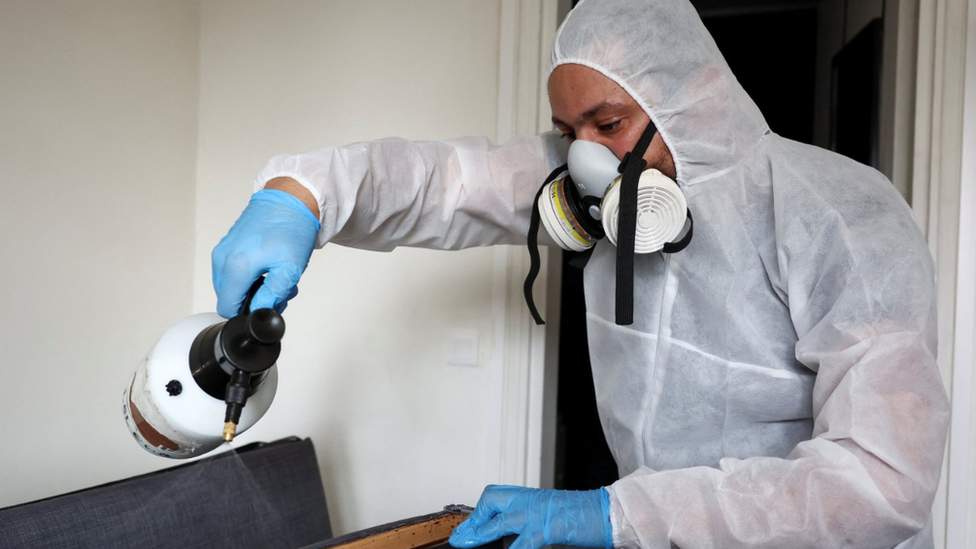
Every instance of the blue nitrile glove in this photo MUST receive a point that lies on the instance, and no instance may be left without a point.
(275, 235)
(539, 517)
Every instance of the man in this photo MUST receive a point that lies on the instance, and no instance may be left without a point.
(778, 384)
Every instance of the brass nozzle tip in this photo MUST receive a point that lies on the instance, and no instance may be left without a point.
(230, 429)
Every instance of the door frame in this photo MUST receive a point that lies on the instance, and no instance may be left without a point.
(525, 356)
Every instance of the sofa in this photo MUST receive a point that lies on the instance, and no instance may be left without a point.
(263, 495)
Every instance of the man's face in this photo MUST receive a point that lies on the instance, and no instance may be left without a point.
(589, 106)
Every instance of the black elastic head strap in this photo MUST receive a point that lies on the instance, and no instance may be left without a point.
(533, 243)
(682, 243)
(630, 168)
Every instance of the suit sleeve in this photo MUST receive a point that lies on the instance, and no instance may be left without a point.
(445, 195)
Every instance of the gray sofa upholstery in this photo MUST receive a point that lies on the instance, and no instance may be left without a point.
(267, 495)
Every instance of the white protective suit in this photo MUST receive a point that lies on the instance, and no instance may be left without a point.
(778, 387)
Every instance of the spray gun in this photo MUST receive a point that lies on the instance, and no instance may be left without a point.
(202, 369)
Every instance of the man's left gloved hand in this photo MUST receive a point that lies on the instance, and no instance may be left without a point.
(539, 517)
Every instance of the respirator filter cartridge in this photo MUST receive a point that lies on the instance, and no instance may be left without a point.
(661, 211)
(560, 214)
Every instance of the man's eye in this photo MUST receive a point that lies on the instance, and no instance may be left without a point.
(609, 127)
(568, 136)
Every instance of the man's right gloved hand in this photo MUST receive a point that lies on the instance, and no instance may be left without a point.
(275, 235)
(539, 517)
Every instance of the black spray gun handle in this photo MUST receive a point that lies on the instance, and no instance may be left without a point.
(252, 342)
(246, 304)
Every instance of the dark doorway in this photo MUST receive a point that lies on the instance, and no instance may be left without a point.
(773, 55)
(583, 459)
(856, 96)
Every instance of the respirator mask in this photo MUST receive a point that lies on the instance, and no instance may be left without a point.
(596, 196)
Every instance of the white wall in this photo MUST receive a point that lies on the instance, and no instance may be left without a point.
(363, 370)
(130, 132)
(97, 154)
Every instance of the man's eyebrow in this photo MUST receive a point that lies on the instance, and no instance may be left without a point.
(591, 112)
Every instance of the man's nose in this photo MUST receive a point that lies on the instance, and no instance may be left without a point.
(595, 137)
(587, 134)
